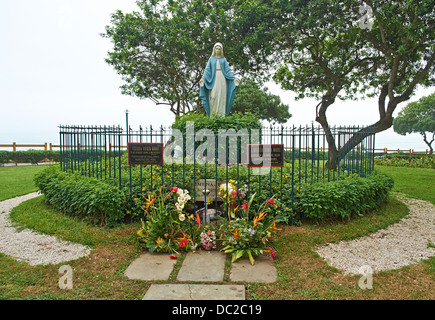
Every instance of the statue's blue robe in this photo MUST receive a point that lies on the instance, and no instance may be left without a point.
(209, 79)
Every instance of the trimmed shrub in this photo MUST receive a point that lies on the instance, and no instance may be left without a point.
(214, 123)
(344, 198)
(4, 157)
(87, 198)
(395, 161)
(29, 156)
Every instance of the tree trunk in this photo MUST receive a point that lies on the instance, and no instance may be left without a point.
(429, 143)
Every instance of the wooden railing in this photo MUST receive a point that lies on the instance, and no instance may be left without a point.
(50, 146)
(14, 146)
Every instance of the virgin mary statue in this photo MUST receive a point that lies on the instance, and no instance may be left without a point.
(218, 84)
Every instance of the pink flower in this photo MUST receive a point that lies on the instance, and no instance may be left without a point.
(174, 189)
(245, 206)
(273, 252)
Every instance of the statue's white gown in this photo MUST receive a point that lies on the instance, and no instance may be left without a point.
(218, 95)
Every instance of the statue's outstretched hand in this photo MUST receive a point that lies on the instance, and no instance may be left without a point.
(236, 82)
(201, 83)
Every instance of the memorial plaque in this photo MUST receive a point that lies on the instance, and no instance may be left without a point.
(265, 155)
(145, 153)
(212, 185)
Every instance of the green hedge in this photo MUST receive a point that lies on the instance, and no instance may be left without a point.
(201, 121)
(87, 198)
(29, 156)
(395, 161)
(344, 198)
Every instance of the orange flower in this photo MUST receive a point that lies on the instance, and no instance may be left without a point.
(274, 227)
(236, 234)
(260, 217)
(198, 220)
(149, 202)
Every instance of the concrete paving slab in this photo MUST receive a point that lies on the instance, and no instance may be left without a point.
(263, 270)
(195, 292)
(203, 266)
(150, 266)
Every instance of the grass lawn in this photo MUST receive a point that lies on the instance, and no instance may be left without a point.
(302, 273)
(17, 180)
(416, 183)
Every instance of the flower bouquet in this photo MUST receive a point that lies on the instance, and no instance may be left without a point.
(167, 228)
(230, 193)
(249, 238)
(208, 239)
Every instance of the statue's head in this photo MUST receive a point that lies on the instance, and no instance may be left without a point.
(218, 50)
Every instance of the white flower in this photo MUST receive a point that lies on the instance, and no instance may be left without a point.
(181, 217)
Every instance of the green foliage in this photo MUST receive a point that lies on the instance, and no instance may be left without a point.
(29, 156)
(87, 198)
(4, 157)
(417, 117)
(344, 198)
(420, 162)
(235, 121)
(250, 98)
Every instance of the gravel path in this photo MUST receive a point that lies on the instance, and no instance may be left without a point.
(401, 244)
(31, 247)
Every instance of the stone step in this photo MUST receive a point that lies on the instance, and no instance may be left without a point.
(195, 292)
(203, 266)
(151, 266)
(200, 266)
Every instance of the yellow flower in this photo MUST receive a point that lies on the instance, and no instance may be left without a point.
(159, 241)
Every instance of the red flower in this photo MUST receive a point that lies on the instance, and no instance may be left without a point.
(174, 189)
(245, 206)
(270, 201)
(183, 243)
(173, 257)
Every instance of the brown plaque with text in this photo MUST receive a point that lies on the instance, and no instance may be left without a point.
(265, 155)
(145, 153)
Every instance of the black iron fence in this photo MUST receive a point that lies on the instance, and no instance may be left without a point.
(207, 163)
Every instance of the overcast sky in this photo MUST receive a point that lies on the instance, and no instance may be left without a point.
(52, 72)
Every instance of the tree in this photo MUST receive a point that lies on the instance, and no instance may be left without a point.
(322, 52)
(161, 51)
(418, 117)
(251, 98)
